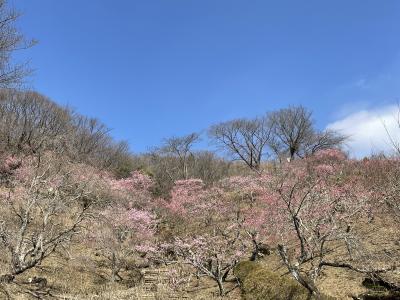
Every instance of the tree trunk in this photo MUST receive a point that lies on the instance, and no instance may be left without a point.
(225, 275)
(294, 271)
(254, 255)
(220, 287)
(114, 269)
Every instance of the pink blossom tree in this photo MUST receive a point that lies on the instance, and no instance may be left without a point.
(381, 177)
(43, 206)
(125, 228)
(212, 255)
(316, 202)
(212, 242)
(249, 200)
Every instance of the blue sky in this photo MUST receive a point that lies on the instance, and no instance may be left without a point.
(154, 68)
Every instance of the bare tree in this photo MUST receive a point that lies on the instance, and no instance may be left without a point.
(11, 40)
(294, 134)
(91, 142)
(244, 139)
(321, 140)
(181, 148)
(88, 136)
(209, 167)
(166, 169)
(292, 128)
(31, 122)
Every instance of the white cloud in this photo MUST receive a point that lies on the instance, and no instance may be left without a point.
(366, 129)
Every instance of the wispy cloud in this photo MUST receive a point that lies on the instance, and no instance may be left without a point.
(368, 130)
